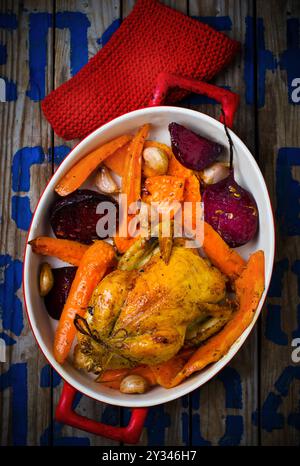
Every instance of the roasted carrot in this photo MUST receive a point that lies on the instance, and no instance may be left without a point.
(118, 160)
(131, 182)
(93, 265)
(122, 244)
(113, 377)
(64, 249)
(192, 194)
(249, 289)
(176, 169)
(74, 178)
(220, 254)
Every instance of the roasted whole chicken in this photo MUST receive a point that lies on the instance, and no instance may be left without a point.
(147, 314)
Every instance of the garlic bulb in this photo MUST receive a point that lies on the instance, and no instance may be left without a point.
(104, 181)
(155, 162)
(215, 173)
(134, 384)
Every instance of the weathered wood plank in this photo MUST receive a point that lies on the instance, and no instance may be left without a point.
(214, 418)
(278, 128)
(94, 17)
(24, 405)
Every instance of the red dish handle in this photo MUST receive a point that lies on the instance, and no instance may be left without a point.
(66, 415)
(166, 81)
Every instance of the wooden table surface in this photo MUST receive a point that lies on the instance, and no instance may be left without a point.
(256, 399)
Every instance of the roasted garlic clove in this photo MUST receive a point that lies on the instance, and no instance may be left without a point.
(155, 162)
(104, 181)
(215, 173)
(46, 280)
(134, 384)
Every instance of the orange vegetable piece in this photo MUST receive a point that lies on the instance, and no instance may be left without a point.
(113, 377)
(131, 182)
(163, 188)
(118, 160)
(74, 178)
(64, 249)
(96, 260)
(220, 254)
(176, 169)
(192, 194)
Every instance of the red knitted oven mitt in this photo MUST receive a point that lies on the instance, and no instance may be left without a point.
(122, 75)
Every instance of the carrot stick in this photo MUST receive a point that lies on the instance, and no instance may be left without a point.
(64, 249)
(93, 265)
(131, 182)
(220, 254)
(118, 160)
(82, 169)
(192, 194)
(113, 377)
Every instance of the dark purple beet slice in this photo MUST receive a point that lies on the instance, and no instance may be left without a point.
(74, 216)
(56, 298)
(192, 150)
(231, 210)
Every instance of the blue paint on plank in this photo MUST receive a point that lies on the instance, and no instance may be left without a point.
(39, 23)
(234, 429)
(294, 419)
(288, 375)
(249, 61)
(185, 428)
(109, 32)
(156, 423)
(16, 379)
(8, 340)
(265, 61)
(11, 311)
(197, 439)
(78, 24)
(273, 330)
(276, 285)
(270, 418)
(296, 333)
(110, 415)
(20, 211)
(59, 154)
(45, 377)
(9, 22)
(290, 58)
(288, 191)
(10, 90)
(22, 162)
(233, 387)
(220, 23)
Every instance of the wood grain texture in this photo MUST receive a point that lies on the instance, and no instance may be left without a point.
(22, 125)
(209, 412)
(100, 16)
(278, 127)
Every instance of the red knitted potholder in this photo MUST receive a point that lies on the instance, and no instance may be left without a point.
(122, 75)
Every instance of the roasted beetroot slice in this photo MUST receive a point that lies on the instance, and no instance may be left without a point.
(74, 216)
(56, 298)
(192, 150)
(231, 210)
